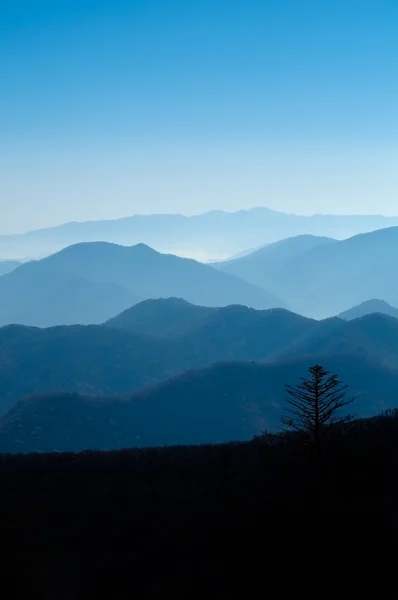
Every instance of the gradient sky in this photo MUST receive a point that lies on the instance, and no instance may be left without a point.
(116, 107)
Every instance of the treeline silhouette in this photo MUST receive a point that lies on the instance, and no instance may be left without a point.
(259, 517)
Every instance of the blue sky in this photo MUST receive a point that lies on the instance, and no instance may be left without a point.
(118, 107)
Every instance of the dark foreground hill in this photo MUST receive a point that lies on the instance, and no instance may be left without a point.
(90, 283)
(204, 522)
(232, 401)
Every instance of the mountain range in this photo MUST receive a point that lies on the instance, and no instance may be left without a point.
(165, 367)
(91, 282)
(122, 345)
(217, 234)
(239, 333)
(110, 359)
(320, 277)
(107, 359)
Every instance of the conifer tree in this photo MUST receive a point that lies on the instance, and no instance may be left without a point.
(314, 404)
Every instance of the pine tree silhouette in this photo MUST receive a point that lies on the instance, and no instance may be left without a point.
(314, 405)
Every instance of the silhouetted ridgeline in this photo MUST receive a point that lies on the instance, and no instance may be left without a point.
(211, 520)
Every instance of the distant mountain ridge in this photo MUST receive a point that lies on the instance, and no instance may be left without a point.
(216, 232)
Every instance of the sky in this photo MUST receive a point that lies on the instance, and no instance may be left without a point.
(112, 108)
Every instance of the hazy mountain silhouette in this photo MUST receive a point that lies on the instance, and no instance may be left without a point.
(367, 308)
(114, 278)
(263, 266)
(217, 232)
(324, 280)
(6, 266)
(231, 401)
(327, 280)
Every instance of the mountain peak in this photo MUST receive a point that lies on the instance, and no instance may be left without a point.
(369, 307)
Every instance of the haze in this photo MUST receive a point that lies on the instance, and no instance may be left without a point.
(116, 108)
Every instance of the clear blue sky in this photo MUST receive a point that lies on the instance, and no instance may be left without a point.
(115, 107)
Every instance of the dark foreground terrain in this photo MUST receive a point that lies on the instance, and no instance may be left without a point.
(233, 520)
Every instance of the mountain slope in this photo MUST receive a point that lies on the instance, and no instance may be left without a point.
(154, 275)
(324, 280)
(231, 401)
(262, 267)
(138, 273)
(368, 307)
